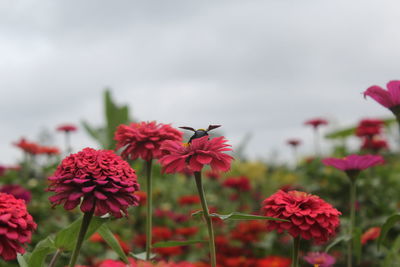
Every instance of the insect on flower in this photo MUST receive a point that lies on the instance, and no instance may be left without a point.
(199, 132)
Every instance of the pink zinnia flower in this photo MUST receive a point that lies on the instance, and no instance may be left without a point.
(353, 164)
(240, 183)
(67, 128)
(201, 151)
(371, 234)
(143, 140)
(95, 179)
(309, 216)
(16, 226)
(389, 98)
(293, 142)
(17, 191)
(320, 259)
(316, 122)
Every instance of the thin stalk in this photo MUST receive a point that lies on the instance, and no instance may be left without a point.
(55, 258)
(316, 142)
(84, 227)
(200, 189)
(295, 252)
(149, 209)
(68, 142)
(352, 220)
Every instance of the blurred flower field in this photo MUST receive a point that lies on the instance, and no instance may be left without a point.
(203, 197)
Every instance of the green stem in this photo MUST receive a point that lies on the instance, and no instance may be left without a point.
(55, 258)
(68, 147)
(200, 189)
(149, 209)
(295, 252)
(352, 220)
(82, 232)
(316, 143)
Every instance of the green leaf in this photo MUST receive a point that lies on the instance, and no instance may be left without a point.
(21, 260)
(238, 216)
(167, 244)
(387, 226)
(392, 257)
(115, 116)
(109, 237)
(42, 249)
(142, 255)
(65, 239)
(337, 240)
(357, 244)
(97, 134)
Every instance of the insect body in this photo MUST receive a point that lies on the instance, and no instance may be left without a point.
(199, 132)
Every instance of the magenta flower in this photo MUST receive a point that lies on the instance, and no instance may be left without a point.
(354, 162)
(196, 154)
(320, 259)
(316, 122)
(389, 98)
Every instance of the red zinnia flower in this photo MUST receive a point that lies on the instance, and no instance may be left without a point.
(28, 147)
(294, 142)
(320, 259)
(67, 128)
(369, 127)
(16, 226)
(143, 140)
(274, 261)
(196, 154)
(187, 231)
(189, 200)
(101, 178)
(388, 98)
(17, 191)
(354, 163)
(240, 183)
(309, 216)
(49, 150)
(248, 232)
(371, 234)
(316, 122)
(374, 144)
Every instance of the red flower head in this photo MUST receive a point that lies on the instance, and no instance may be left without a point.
(293, 142)
(353, 164)
(320, 259)
(248, 232)
(316, 122)
(213, 175)
(143, 140)
(28, 147)
(49, 150)
(388, 98)
(189, 200)
(67, 128)
(371, 234)
(187, 231)
(17, 191)
(240, 183)
(102, 179)
(16, 226)
(195, 155)
(309, 216)
(369, 127)
(274, 261)
(375, 145)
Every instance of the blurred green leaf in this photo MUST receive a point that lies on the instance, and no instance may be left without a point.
(392, 257)
(167, 244)
(142, 256)
(337, 240)
(115, 116)
(238, 216)
(21, 260)
(110, 239)
(97, 134)
(387, 226)
(42, 249)
(357, 244)
(65, 239)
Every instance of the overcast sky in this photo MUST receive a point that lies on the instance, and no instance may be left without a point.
(253, 66)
